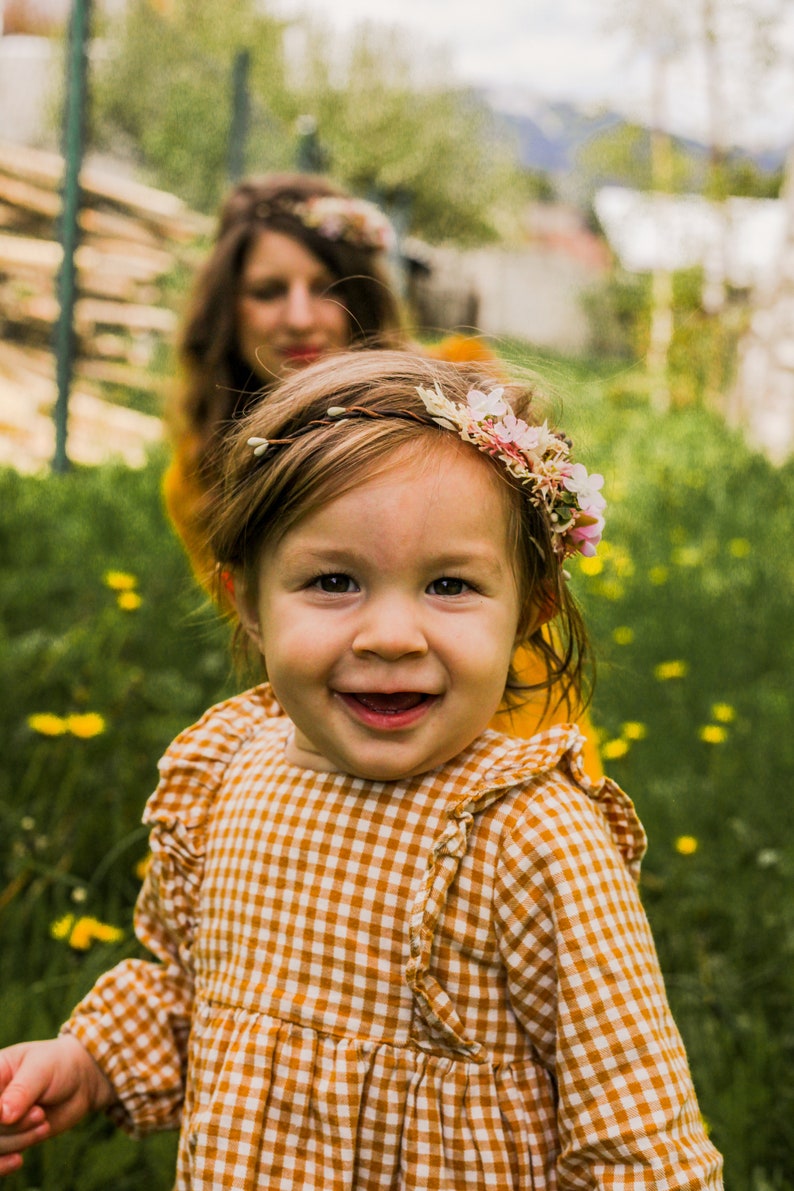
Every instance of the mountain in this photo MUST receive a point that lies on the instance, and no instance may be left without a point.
(550, 135)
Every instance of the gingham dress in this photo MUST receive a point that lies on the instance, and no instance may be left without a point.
(441, 983)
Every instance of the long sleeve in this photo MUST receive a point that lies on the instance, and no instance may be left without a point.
(136, 1020)
(584, 980)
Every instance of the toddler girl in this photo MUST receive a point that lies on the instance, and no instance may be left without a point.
(396, 949)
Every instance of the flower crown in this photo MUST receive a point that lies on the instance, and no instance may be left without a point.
(535, 455)
(336, 217)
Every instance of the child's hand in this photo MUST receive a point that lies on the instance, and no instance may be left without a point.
(45, 1088)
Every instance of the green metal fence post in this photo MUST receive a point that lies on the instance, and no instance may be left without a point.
(73, 141)
(241, 111)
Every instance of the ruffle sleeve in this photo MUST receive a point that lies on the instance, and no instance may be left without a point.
(584, 980)
(136, 1020)
(581, 969)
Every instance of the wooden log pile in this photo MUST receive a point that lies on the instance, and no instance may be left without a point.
(132, 239)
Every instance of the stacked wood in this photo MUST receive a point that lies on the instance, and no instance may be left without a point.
(132, 240)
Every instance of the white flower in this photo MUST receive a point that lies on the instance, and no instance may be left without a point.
(532, 440)
(585, 487)
(487, 405)
(443, 411)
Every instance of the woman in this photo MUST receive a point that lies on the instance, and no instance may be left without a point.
(298, 270)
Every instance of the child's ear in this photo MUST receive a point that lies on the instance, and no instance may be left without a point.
(244, 601)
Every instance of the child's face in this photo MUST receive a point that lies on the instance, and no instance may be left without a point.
(387, 618)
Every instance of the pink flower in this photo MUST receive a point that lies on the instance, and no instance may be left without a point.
(586, 532)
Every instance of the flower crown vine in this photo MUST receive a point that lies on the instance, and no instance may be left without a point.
(535, 455)
(336, 217)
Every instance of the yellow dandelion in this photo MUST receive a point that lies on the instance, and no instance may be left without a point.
(713, 734)
(658, 576)
(610, 589)
(623, 564)
(723, 713)
(143, 866)
(128, 601)
(89, 930)
(688, 556)
(667, 670)
(61, 927)
(591, 566)
(120, 580)
(47, 724)
(686, 845)
(87, 725)
(632, 730)
(614, 749)
(623, 635)
(739, 547)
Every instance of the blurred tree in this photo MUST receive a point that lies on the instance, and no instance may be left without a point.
(394, 124)
(164, 85)
(391, 124)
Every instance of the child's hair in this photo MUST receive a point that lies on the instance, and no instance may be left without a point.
(218, 384)
(314, 458)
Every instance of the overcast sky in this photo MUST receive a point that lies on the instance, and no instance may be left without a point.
(561, 49)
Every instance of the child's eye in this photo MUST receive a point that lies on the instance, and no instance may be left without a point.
(335, 584)
(448, 587)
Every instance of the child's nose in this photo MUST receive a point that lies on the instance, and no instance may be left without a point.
(390, 628)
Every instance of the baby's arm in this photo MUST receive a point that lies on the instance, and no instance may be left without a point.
(45, 1088)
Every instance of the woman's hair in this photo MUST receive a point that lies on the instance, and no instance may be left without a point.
(218, 385)
(320, 458)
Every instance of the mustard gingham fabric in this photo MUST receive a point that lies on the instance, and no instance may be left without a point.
(441, 983)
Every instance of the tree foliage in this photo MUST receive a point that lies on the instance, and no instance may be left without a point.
(390, 123)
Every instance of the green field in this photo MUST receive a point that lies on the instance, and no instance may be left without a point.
(108, 651)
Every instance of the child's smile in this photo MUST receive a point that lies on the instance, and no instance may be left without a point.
(388, 617)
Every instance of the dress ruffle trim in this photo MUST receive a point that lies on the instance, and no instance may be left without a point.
(191, 773)
(560, 747)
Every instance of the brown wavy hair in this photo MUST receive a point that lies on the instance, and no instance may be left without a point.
(218, 386)
(261, 498)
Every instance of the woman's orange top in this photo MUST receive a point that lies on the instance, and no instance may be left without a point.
(184, 496)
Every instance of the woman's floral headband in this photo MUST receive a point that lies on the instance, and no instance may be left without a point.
(535, 455)
(336, 217)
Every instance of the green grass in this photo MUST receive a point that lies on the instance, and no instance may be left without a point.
(697, 570)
